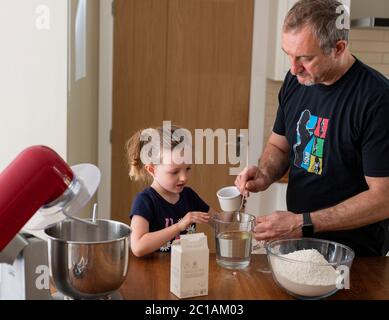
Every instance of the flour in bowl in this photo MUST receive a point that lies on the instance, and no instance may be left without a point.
(313, 277)
(317, 273)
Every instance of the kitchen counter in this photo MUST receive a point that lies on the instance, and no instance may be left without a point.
(149, 279)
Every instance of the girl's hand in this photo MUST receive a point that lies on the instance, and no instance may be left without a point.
(193, 217)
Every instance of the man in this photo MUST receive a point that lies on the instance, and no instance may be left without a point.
(332, 131)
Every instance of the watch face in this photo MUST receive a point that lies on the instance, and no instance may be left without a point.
(307, 230)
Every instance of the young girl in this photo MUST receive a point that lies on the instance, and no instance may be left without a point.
(167, 208)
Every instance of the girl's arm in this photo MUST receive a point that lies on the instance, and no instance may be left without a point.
(144, 242)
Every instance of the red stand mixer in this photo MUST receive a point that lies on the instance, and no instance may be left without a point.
(38, 176)
(38, 191)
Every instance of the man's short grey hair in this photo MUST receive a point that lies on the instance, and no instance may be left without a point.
(322, 17)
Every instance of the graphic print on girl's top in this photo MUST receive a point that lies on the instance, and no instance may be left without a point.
(169, 222)
(308, 150)
(167, 245)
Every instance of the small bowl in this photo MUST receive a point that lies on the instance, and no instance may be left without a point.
(306, 279)
(229, 199)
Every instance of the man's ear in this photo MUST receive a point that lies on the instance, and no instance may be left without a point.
(150, 169)
(340, 48)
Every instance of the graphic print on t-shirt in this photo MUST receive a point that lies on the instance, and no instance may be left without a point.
(308, 150)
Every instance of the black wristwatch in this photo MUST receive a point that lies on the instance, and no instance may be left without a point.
(307, 226)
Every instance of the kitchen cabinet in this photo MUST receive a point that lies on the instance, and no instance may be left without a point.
(197, 72)
(278, 63)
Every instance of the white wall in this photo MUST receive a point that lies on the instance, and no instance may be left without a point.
(42, 100)
(83, 86)
(33, 82)
(105, 107)
(258, 94)
(83, 82)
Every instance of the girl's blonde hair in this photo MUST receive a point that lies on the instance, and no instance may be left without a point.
(134, 145)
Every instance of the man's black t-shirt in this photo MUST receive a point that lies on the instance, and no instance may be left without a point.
(161, 214)
(338, 135)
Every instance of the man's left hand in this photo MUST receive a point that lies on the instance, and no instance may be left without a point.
(277, 225)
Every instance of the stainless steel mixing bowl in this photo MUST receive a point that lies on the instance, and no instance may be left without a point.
(86, 261)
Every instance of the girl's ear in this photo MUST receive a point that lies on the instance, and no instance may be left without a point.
(150, 169)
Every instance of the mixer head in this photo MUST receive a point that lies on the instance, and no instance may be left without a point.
(80, 191)
(38, 188)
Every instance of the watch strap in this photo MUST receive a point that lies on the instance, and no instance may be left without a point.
(307, 227)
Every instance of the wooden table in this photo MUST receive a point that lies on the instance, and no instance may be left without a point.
(149, 279)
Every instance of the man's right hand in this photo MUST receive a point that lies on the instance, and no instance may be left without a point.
(252, 179)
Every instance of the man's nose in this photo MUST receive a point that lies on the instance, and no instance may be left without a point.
(295, 66)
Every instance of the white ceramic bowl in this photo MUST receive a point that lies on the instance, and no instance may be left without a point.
(229, 199)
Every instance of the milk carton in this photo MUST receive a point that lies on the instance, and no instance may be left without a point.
(189, 266)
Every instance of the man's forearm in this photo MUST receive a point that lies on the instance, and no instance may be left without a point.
(363, 209)
(274, 162)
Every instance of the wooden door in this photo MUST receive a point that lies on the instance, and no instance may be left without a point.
(187, 61)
